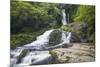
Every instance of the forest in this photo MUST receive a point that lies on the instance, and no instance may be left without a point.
(31, 19)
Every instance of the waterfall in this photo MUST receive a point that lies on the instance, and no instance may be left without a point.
(39, 53)
(64, 22)
(66, 36)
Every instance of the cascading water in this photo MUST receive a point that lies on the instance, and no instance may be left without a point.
(37, 56)
(41, 41)
(64, 22)
(41, 53)
(64, 38)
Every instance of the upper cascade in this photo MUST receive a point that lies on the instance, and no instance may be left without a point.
(64, 22)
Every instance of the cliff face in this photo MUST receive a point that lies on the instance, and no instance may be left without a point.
(79, 52)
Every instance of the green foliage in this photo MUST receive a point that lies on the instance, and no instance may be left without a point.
(30, 16)
(21, 39)
(24, 38)
(55, 37)
(66, 28)
(87, 14)
(53, 54)
(71, 10)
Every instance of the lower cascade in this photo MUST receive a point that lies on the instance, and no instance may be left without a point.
(37, 52)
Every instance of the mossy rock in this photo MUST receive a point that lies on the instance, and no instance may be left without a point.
(22, 55)
(66, 28)
(55, 37)
(53, 54)
(64, 59)
(54, 57)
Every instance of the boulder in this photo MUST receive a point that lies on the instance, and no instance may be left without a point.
(55, 37)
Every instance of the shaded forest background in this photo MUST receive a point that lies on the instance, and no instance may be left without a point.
(31, 19)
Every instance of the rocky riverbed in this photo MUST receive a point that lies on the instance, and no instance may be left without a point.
(79, 52)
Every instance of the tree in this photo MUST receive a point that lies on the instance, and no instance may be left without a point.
(30, 16)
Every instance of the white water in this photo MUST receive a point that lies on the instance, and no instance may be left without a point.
(15, 53)
(64, 38)
(36, 57)
(64, 22)
(41, 41)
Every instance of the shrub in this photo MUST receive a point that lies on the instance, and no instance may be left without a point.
(21, 39)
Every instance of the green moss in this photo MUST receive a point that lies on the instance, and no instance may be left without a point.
(55, 37)
(53, 54)
(67, 28)
(22, 54)
(56, 60)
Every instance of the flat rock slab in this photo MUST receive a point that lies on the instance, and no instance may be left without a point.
(79, 52)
